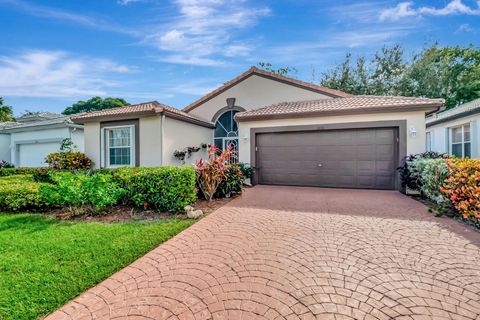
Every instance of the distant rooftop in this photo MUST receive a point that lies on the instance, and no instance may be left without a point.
(454, 113)
(37, 116)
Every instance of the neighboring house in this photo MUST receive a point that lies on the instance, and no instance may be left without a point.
(290, 131)
(455, 131)
(27, 142)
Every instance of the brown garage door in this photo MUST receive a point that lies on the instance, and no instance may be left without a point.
(357, 158)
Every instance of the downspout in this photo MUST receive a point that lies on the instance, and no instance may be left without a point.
(162, 132)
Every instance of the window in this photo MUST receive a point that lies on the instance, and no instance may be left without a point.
(226, 130)
(460, 141)
(429, 141)
(119, 146)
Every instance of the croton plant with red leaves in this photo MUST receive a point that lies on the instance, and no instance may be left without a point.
(463, 187)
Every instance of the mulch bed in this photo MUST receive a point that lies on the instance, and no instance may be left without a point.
(125, 213)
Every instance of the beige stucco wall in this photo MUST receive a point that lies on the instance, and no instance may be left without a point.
(253, 93)
(414, 144)
(150, 132)
(178, 135)
(91, 134)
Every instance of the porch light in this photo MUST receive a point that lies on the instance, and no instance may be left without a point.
(413, 131)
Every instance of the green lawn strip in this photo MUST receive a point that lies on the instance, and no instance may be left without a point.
(46, 262)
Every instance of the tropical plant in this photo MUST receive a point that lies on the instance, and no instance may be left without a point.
(20, 193)
(6, 164)
(211, 172)
(462, 187)
(232, 182)
(6, 112)
(68, 159)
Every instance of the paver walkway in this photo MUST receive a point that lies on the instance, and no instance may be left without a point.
(301, 253)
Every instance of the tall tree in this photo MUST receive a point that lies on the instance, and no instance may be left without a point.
(6, 112)
(452, 73)
(95, 104)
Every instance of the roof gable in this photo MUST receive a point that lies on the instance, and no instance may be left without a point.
(268, 75)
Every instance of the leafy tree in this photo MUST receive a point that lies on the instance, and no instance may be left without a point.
(284, 71)
(452, 73)
(6, 112)
(95, 104)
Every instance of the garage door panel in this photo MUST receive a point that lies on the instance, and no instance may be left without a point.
(34, 154)
(360, 158)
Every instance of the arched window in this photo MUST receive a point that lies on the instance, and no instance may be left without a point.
(226, 130)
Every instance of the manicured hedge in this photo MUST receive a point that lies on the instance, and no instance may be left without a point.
(20, 192)
(15, 171)
(161, 188)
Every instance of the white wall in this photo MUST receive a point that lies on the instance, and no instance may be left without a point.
(178, 135)
(253, 93)
(5, 153)
(440, 136)
(92, 142)
(77, 136)
(414, 144)
(150, 131)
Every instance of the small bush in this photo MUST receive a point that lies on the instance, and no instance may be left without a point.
(69, 160)
(432, 173)
(20, 192)
(43, 175)
(409, 174)
(247, 171)
(462, 187)
(90, 193)
(162, 188)
(6, 164)
(232, 183)
(212, 172)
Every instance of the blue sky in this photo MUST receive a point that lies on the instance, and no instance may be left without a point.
(54, 53)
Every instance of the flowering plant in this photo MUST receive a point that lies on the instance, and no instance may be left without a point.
(211, 172)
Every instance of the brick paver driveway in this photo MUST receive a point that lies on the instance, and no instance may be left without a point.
(290, 253)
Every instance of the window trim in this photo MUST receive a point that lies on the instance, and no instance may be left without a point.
(462, 142)
(105, 146)
(428, 140)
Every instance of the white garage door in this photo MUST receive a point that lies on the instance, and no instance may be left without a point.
(33, 155)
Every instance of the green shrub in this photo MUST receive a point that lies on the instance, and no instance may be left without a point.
(409, 175)
(161, 188)
(20, 192)
(432, 173)
(232, 182)
(88, 192)
(247, 171)
(18, 171)
(43, 175)
(69, 160)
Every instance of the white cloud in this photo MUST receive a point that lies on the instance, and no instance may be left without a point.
(126, 2)
(57, 14)
(204, 31)
(56, 74)
(406, 9)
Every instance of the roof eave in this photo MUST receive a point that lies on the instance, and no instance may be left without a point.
(426, 108)
(265, 74)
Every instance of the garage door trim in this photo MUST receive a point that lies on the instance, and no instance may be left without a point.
(400, 125)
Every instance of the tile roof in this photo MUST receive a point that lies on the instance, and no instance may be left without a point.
(354, 104)
(457, 112)
(147, 108)
(60, 119)
(271, 75)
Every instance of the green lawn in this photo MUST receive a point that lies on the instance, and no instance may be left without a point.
(46, 262)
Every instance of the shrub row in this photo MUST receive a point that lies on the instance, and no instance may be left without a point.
(161, 188)
(450, 183)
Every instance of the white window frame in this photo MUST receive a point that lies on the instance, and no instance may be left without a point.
(105, 156)
(428, 140)
(462, 143)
